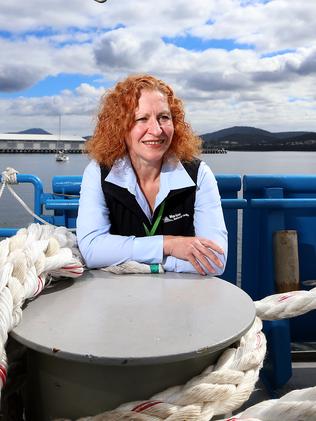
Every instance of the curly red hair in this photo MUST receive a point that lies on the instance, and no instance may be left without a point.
(117, 116)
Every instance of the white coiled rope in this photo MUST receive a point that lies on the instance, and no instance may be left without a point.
(26, 261)
(286, 305)
(297, 405)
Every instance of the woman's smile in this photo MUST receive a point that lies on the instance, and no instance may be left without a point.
(153, 142)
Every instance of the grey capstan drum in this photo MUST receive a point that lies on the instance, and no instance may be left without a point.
(106, 339)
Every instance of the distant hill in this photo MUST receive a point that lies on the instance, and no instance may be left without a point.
(32, 131)
(236, 130)
(252, 138)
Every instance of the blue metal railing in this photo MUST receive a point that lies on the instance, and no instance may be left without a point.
(37, 199)
(274, 203)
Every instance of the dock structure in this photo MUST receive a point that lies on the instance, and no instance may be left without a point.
(40, 143)
(211, 149)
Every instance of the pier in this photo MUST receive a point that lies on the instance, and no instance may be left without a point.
(214, 150)
(39, 143)
(73, 151)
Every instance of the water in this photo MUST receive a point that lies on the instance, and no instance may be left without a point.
(262, 163)
(45, 167)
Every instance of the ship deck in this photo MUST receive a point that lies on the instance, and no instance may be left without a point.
(304, 376)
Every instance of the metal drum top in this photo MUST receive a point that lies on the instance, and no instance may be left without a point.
(112, 319)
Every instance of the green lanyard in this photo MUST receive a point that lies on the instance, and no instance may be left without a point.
(156, 223)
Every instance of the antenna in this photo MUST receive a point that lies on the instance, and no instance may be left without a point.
(59, 131)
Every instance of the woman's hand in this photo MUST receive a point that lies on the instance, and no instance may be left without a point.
(197, 250)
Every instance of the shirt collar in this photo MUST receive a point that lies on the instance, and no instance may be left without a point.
(173, 176)
(122, 174)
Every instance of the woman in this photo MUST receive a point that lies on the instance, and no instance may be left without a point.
(144, 196)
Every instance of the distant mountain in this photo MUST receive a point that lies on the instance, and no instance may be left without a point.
(32, 131)
(252, 138)
(236, 130)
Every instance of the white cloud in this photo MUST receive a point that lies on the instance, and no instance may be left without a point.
(78, 110)
(220, 87)
(276, 25)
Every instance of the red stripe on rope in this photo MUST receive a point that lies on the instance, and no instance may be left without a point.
(74, 272)
(66, 268)
(145, 405)
(39, 285)
(72, 267)
(3, 374)
(285, 297)
(258, 339)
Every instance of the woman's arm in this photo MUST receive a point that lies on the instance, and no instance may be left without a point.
(98, 247)
(207, 252)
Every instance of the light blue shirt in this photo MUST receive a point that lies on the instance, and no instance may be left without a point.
(99, 248)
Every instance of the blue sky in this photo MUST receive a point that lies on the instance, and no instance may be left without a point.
(198, 44)
(233, 62)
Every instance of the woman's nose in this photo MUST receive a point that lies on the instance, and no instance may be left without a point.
(154, 126)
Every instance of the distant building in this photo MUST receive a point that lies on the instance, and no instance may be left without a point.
(40, 143)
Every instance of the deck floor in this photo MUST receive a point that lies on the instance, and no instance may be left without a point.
(304, 375)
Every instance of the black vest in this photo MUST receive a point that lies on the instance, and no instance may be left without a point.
(127, 217)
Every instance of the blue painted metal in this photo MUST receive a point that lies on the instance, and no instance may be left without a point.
(229, 187)
(37, 202)
(64, 199)
(283, 203)
(69, 184)
(277, 369)
(62, 204)
(279, 203)
(8, 232)
(38, 190)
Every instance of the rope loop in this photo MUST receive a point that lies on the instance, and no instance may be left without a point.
(9, 176)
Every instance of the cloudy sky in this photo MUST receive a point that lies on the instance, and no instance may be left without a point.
(233, 62)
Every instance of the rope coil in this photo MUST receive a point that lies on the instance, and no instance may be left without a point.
(9, 176)
(286, 305)
(26, 260)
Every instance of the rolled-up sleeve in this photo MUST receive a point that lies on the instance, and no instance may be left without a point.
(208, 221)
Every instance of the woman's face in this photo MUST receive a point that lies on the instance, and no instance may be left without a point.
(152, 133)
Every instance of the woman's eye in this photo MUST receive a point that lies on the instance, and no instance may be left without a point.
(164, 118)
(141, 119)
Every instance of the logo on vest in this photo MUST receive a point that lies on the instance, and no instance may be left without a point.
(175, 217)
